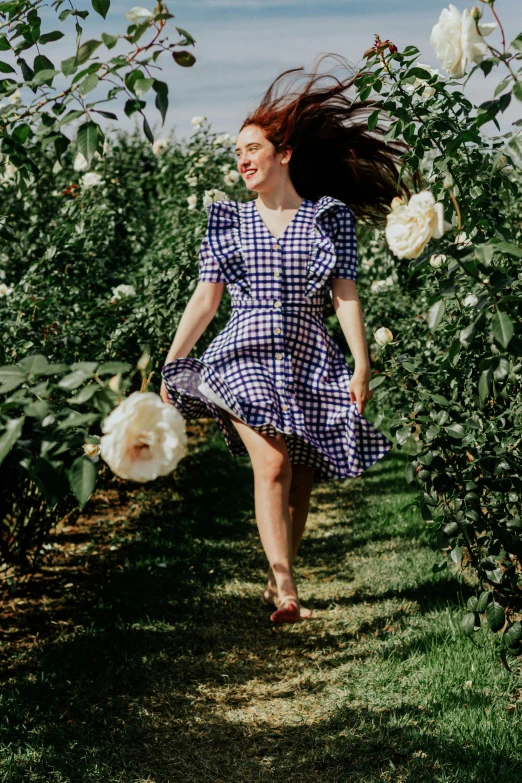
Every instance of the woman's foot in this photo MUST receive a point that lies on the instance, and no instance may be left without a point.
(288, 611)
(271, 598)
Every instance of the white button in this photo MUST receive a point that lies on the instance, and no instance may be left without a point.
(285, 407)
(279, 383)
(276, 274)
(288, 429)
(279, 355)
(275, 247)
(277, 303)
(277, 330)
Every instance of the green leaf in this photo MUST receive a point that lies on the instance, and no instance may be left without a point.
(467, 624)
(517, 90)
(162, 100)
(89, 139)
(373, 119)
(484, 598)
(68, 66)
(456, 431)
(12, 432)
(484, 387)
(436, 314)
(85, 394)
(509, 248)
(6, 68)
(49, 37)
(502, 328)
(82, 479)
(110, 41)
(184, 58)
(42, 63)
(189, 40)
(76, 419)
(11, 378)
(108, 114)
(36, 364)
(111, 368)
(376, 381)
(73, 380)
(44, 77)
(516, 43)
(88, 84)
(101, 7)
(147, 131)
(141, 86)
(472, 603)
(495, 616)
(85, 51)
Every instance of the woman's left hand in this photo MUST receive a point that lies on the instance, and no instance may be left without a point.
(360, 390)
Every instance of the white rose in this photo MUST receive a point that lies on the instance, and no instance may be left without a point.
(471, 300)
(5, 290)
(456, 40)
(92, 450)
(409, 227)
(213, 195)
(192, 201)
(192, 181)
(428, 90)
(201, 161)
(9, 173)
(226, 168)
(143, 437)
(123, 290)
(138, 14)
(462, 239)
(381, 285)
(197, 121)
(233, 139)
(383, 336)
(15, 97)
(159, 146)
(437, 260)
(231, 177)
(80, 162)
(91, 178)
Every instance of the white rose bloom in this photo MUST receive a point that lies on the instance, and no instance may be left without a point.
(232, 177)
(437, 260)
(213, 195)
(8, 174)
(383, 336)
(470, 301)
(192, 201)
(232, 139)
(226, 168)
(192, 181)
(197, 121)
(123, 290)
(91, 178)
(381, 285)
(201, 161)
(428, 90)
(138, 14)
(463, 239)
(457, 42)
(5, 290)
(15, 97)
(409, 227)
(92, 450)
(143, 437)
(159, 146)
(80, 162)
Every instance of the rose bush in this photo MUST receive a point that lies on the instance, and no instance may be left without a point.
(453, 395)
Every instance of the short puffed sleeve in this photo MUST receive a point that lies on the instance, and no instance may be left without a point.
(209, 269)
(347, 263)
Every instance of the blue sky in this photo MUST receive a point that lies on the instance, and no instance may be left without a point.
(242, 45)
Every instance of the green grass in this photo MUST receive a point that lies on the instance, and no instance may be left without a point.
(147, 673)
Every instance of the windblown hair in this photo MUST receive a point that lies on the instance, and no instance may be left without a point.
(333, 152)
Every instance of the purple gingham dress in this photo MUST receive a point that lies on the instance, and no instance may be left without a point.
(274, 365)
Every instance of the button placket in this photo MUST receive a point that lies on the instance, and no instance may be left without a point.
(279, 346)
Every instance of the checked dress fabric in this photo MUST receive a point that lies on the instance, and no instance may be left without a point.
(274, 366)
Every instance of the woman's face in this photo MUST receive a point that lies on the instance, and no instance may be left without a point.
(257, 161)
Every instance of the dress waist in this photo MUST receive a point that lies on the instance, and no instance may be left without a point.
(288, 303)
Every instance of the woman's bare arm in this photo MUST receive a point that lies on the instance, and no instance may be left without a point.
(348, 310)
(199, 312)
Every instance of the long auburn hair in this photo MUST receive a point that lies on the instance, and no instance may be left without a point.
(333, 152)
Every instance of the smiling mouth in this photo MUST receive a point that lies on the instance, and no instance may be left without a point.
(250, 173)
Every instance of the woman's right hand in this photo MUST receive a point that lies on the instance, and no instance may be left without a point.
(163, 393)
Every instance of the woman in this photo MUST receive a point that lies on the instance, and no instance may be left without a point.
(275, 381)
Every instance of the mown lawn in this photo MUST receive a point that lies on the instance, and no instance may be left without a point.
(142, 653)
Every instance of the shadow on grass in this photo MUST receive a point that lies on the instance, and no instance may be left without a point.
(145, 680)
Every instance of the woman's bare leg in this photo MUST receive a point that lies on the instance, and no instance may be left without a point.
(299, 504)
(272, 478)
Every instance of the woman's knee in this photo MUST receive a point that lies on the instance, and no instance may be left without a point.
(274, 468)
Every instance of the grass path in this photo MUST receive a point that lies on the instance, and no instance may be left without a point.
(142, 652)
